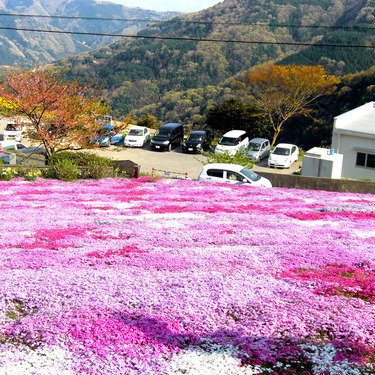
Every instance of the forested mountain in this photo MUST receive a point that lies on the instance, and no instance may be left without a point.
(28, 48)
(177, 77)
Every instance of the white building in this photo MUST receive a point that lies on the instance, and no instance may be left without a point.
(353, 136)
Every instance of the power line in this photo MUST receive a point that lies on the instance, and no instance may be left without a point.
(178, 20)
(136, 36)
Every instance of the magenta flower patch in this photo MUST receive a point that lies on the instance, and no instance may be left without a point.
(183, 277)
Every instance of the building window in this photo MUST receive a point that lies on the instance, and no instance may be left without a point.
(365, 160)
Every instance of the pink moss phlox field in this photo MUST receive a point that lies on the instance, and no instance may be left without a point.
(144, 276)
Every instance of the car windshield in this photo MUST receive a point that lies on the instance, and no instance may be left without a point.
(12, 127)
(250, 174)
(136, 132)
(228, 141)
(281, 151)
(163, 132)
(254, 146)
(11, 147)
(195, 137)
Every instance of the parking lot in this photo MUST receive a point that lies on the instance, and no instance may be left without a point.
(174, 163)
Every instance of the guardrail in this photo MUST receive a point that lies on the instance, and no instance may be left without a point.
(180, 175)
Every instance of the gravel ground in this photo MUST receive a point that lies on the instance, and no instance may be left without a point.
(174, 163)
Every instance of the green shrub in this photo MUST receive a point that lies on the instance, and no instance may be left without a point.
(239, 158)
(29, 172)
(80, 159)
(65, 170)
(7, 174)
(99, 168)
(74, 165)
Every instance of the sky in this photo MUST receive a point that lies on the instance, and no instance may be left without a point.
(169, 5)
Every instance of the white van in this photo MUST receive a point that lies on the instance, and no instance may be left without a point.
(232, 142)
(13, 132)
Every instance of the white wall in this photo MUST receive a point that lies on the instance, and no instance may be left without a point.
(349, 145)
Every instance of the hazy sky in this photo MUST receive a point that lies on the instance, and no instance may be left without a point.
(173, 5)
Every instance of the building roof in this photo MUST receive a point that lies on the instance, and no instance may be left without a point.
(359, 120)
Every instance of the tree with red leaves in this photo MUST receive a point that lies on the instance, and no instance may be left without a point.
(59, 115)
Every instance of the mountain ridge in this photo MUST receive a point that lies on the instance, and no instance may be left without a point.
(138, 75)
(28, 48)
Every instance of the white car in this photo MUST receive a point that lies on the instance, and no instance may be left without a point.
(283, 156)
(13, 132)
(20, 147)
(138, 136)
(232, 142)
(232, 174)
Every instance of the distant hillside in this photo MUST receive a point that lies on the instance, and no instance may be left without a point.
(141, 74)
(28, 48)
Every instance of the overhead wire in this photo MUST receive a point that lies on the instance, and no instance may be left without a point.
(184, 38)
(177, 19)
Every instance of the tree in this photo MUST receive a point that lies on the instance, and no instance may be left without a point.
(148, 121)
(281, 92)
(57, 114)
(232, 114)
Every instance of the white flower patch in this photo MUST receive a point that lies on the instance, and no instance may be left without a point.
(97, 204)
(7, 192)
(363, 235)
(126, 205)
(47, 361)
(167, 220)
(323, 360)
(217, 360)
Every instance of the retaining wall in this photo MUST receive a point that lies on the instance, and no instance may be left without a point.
(319, 183)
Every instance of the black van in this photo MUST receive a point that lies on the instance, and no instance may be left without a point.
(167, 137)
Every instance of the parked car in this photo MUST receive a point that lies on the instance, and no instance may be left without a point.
(258, 149)
(13, 132)
(232, 174)
(101, 139)
(6, 158)
(197, 141)
(20, 147)
(232, 142)
(138, 136)
(283, 155)
(117, 138)
(167, 137)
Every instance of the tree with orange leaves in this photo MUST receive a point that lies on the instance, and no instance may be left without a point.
(57, 114)
(280, 92)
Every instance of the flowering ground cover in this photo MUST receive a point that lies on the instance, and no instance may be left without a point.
(184, 277)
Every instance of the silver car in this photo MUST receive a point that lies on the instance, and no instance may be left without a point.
(258, 149)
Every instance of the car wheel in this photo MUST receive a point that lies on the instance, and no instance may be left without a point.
(170, 147)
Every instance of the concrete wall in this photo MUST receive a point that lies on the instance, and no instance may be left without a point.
(349, 145)
(316, 183)
(128, 167)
